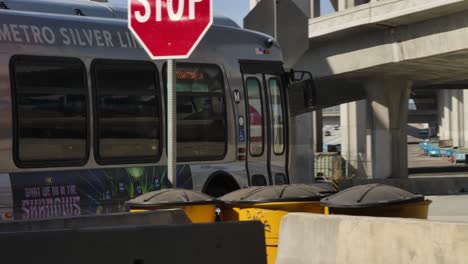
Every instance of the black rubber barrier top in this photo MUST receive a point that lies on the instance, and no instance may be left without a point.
(280, 193)
(159, 217)
(170, 197)
(371, 195)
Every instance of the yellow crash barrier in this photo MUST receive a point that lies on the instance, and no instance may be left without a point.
(268, 205)
(270, 218)
(418, 210)
(377, 200)
(196, 213)
(199, 207)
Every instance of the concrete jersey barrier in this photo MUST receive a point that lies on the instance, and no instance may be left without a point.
(317, 239)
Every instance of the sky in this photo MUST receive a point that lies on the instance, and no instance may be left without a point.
(238, 9)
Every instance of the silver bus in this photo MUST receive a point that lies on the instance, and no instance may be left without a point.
(82, 112)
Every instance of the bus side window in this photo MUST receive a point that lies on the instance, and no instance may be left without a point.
(127, 111)
(277, 118)
(50, 105)
(255, 116)
(201, 112)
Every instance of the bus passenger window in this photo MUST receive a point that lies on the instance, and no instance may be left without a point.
(276, 116)
(50, 111)
(255, 116)
(128, 111)
(201, 113)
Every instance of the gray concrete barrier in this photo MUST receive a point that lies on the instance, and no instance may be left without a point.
(227, 243)
(425, 186)
(317, 239)
(160, 217)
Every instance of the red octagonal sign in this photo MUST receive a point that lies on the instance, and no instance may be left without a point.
(169, 29)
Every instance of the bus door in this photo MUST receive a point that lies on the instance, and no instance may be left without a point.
(266, 144)
(277, 128)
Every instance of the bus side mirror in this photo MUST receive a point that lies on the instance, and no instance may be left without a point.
(298, 76)
(302, 97)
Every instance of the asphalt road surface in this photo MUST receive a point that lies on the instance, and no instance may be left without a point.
(334, 138)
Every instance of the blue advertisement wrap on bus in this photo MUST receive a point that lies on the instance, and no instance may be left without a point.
(40, 195)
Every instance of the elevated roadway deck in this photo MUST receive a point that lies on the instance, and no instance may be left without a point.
(377, 52)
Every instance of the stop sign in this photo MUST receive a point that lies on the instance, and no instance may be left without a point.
(169, 29)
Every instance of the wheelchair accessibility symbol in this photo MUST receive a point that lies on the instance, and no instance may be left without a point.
(242, 135)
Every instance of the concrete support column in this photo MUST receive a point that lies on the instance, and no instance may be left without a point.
(318, 131)
(456, 117)
(445, 107)
(388, 118)
(454, 124)
(461, 118)
(314, 8)
(345, 4)
(342, 5)
(440, 113)
(353, 119)
(253, 3)
(465, 117)
(310, 7)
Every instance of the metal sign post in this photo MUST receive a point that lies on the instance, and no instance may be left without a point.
(171, 124)
(168, 30)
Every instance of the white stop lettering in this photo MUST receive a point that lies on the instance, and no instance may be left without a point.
(174, 15)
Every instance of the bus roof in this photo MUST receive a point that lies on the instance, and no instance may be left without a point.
(45, 27)
(86, 8)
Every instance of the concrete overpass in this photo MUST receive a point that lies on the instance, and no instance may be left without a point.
(381, 49)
